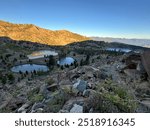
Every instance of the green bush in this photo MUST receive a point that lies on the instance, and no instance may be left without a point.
(50, 81)
(118, 96)
(4, 80)
(34, 95)
(58, 100)
(37, 98)
(11, 77)
(40, 73)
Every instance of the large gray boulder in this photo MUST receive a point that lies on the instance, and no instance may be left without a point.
(80, 85)
(76, 109)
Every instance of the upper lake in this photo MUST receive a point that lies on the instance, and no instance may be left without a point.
(119, 49)
(66, 61)
(41, 54)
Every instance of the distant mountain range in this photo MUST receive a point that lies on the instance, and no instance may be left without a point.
(30, 32)
(137, 42)
(33, 33)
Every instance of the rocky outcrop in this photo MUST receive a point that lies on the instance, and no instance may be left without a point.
(80, 85)
(76, 109)
(146, 61)
(134, 66)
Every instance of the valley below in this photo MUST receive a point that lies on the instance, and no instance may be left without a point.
(81, 77)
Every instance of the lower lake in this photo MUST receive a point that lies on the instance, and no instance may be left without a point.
(29, 68)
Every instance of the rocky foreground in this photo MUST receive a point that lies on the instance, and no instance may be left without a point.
(106, 82)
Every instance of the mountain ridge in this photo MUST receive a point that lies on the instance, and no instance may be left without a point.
(33, 33)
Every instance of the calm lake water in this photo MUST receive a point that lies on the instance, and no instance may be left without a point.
(119, 49)
(29, 68)
(41, 54)
(66, 60)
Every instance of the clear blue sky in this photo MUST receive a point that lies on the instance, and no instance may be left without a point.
(109, 18)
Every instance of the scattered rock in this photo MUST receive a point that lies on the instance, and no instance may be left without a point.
(75, 76)
(142, 90)
(86, 93)
(146, 103)
(69, 104)
(131, 58)
(52, 87)
(76, 109)
(140, 67)
(141, 107)
(63, 111)
(91, 110)
(131, 66)
(15, 103)
(89, 74)
(37, 106)
(103, 74)
(133, 73)
(24, 107)
(65, 82)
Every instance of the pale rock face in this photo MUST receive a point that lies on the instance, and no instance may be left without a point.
(80, 85)
(22, 109)
(76, 109)
(63, 111)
